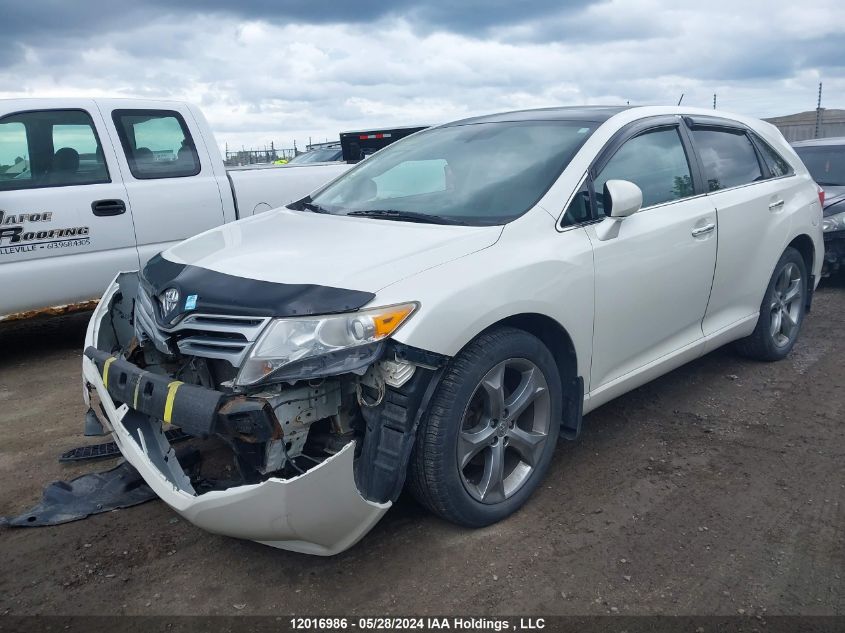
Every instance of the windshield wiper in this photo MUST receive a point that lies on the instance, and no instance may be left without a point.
(316, 208)
(411, 216)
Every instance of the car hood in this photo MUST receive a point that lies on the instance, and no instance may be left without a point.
(296, 247)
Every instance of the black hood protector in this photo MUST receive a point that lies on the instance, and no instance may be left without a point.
(208, 291)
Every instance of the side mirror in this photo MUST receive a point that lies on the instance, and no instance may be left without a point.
(622, 198)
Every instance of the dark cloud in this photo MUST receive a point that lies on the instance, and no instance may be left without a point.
(29, 19)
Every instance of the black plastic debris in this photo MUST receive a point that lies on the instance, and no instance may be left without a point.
(110, 449)
(65, 501)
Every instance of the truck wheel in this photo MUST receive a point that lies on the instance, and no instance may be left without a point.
(490, 431)
(782, 311)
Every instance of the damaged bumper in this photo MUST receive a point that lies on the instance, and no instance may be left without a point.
(318, 512)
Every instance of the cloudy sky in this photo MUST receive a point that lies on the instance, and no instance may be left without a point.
(284, 70)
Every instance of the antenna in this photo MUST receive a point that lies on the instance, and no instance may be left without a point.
(714, 100)
(681, 99)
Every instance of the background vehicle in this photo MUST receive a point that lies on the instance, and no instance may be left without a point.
(325, 154)
(358, 145)
(825, 160)
(90, 187)
(441, 313)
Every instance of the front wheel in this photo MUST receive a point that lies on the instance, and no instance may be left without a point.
(490, 431)
(782, 311)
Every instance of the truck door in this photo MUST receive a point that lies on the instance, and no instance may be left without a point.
(65, 223)
(170, 177)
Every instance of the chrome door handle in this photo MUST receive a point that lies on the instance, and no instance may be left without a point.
(703, 230)
(775, 205)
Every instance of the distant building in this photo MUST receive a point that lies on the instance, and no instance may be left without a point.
(802, 126)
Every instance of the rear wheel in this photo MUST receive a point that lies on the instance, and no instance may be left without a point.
(782, 311)
(490, 431)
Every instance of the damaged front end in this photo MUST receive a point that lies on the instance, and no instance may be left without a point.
(303, 439)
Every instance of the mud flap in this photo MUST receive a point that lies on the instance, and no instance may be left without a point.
(573, 409)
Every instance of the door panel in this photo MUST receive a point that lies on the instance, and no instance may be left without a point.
(654, 269)
(753, 227)
(169, 176)
(652, 285)
(54, 250)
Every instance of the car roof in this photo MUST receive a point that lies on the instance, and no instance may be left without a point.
(832, 140)
(595, 114)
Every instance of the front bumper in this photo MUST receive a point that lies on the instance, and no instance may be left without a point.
(319, 512)
(834, 252)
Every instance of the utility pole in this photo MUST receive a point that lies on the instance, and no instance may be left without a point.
(819, 112)
(714, 100)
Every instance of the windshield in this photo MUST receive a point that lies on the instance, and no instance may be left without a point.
(826, 163)
(481, 174)
(316, 156)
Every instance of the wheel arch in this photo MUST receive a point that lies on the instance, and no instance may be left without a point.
(803, 243)
(553, 335)
(562, 347)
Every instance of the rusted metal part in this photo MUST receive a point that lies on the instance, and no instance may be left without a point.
(251, 420)
(70, 308)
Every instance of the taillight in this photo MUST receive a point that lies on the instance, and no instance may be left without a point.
(821, 196)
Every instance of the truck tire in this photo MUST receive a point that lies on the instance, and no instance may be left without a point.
(781, 313)
(490, 430)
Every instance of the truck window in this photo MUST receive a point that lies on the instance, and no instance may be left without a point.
(157, 144)
(50, 148)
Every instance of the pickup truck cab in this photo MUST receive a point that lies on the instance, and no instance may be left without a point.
(90, 187)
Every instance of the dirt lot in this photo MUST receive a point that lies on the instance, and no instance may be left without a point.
(718, 489)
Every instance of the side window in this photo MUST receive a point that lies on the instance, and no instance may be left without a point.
(50, 148)
(157, 143)
(656, 162)
(578, 210)
(777, 165)
(728, 158)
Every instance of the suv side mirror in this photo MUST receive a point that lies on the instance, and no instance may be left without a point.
(622, 198)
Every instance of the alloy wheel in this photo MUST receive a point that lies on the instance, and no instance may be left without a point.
(787, 301)
(504, 430)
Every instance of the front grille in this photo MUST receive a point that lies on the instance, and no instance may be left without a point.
(222, 336)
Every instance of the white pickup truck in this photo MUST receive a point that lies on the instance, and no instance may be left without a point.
(90, 187)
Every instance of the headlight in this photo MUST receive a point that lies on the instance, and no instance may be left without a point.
(295, 348)
(835, 222)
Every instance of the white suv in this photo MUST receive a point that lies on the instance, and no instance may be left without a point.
(447, 309)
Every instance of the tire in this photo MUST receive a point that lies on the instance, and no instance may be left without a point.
(468, 420)
(781, 313)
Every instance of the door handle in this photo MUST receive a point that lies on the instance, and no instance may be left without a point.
(703, 230)
(108, 207)
(775, 205)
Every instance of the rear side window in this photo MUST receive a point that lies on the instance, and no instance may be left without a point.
(50, 148)
(728, 158)
(826, 163)
(654, 161)
(157, 143)
(774, 161)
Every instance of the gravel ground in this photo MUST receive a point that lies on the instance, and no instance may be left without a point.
(717, 489)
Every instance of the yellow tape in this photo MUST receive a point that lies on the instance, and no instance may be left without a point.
(108, 362)
(135, 397)
(171, 396)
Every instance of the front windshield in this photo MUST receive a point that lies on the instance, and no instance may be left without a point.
(481, 174)
(316, 156)
(826, 163)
